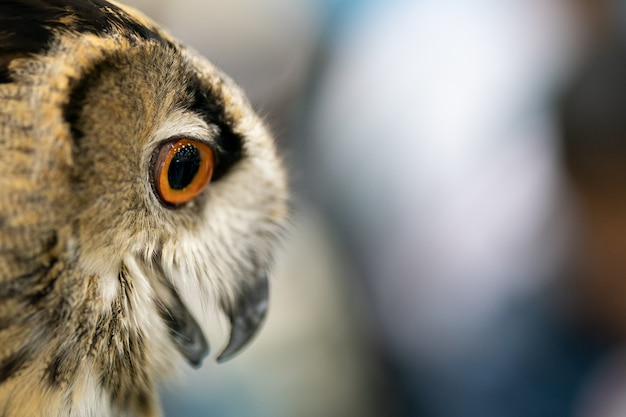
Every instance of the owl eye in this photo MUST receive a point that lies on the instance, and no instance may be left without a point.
(182, 169)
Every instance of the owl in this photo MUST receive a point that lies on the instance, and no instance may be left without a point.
(140, 196)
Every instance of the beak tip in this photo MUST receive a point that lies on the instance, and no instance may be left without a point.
(196, 361)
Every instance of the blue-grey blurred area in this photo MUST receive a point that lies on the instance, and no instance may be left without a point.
(459, 176)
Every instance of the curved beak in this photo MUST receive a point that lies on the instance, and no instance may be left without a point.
(184, 329)
(246, 315)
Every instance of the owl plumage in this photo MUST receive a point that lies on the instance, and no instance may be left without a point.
(105, 283)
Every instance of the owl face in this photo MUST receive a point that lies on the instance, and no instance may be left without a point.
(142, 196)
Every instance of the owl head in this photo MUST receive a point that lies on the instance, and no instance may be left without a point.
(141, 195)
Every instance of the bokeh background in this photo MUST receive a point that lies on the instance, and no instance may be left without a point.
(459, 177)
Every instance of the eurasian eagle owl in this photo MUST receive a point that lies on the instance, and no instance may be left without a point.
(139, 191)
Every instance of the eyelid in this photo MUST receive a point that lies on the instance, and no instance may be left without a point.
(217, 150)
(184, 123)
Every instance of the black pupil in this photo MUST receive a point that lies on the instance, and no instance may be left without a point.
(184, 167)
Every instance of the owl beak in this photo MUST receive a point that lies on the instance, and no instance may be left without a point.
(246, 315)
(184, 329)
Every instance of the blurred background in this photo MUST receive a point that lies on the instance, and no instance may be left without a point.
(459, 177)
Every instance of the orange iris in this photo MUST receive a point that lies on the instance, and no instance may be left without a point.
(183, 168)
